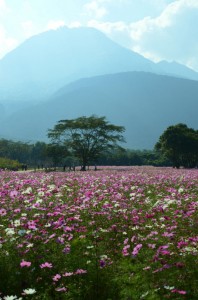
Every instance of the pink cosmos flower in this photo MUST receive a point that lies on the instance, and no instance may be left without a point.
(80, 271)
(178, 291)
(67, 228)
(46, 265)
(102, 263)
(125, 250)
(31, 224)
(165, 252)
(13, 194)
(66, 250)
(152, 246)
(67, 274)
(181, 244)
(136, 249)
(61, 289)
(146, 268)
(179, 264)
(56, 277)
(133, 239)
(52, 235)
(24, 263)
(167, 234)
(3, 212)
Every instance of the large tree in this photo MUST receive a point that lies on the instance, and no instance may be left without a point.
(87, 137)
(179, 144)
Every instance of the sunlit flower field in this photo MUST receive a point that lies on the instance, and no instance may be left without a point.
(116, 233)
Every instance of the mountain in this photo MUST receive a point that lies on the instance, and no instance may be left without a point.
(143, 102)
(41, 82)
(175, 69)
(46, 62)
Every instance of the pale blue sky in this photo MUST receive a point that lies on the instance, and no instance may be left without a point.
(157, 29)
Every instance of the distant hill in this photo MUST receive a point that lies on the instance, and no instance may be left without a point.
(144, 103)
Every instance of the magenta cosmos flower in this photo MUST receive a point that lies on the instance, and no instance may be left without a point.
(24, 263)
(46, 265)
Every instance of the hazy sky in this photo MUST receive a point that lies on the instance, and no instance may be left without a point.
(157, 29)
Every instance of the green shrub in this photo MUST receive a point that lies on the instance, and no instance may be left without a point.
(6, 163)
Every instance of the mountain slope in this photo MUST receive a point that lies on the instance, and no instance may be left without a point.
(45, 62)
(144, 103)
(176, 69)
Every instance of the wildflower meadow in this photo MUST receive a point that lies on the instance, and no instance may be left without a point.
(112, 234)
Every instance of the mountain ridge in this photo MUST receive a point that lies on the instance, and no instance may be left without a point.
(84, 52)
(47, 61)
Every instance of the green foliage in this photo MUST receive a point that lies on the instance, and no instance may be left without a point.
(38, 152)
(87, 137)
(30, 154)
(15, 150)
(179, 144)
(6, 163)
(57, 153)
(128, 157)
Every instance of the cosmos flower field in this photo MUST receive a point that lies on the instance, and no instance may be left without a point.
(125, 233)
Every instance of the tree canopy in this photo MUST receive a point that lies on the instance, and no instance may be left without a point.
(179, 144)
(87, 137)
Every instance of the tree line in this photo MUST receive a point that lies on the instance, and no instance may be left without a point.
(93, 140)
(16, 155)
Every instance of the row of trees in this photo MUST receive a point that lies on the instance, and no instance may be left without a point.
(93, 140)
(90, 137)
(25, 153)
(41, 155)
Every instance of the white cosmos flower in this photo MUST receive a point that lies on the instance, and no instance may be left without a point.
(9, 231)
(169, 287)
(29, 291)
(51, 187)
(41, 193)
(39, 200)
(17, 223)
(180, 190)
(24, 215)
(27, 191)
(11, 298)
(29, 245)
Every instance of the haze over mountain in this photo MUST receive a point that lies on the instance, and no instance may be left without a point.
(144, 103)
(178, 70)
(45, 62)
(36, 89)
